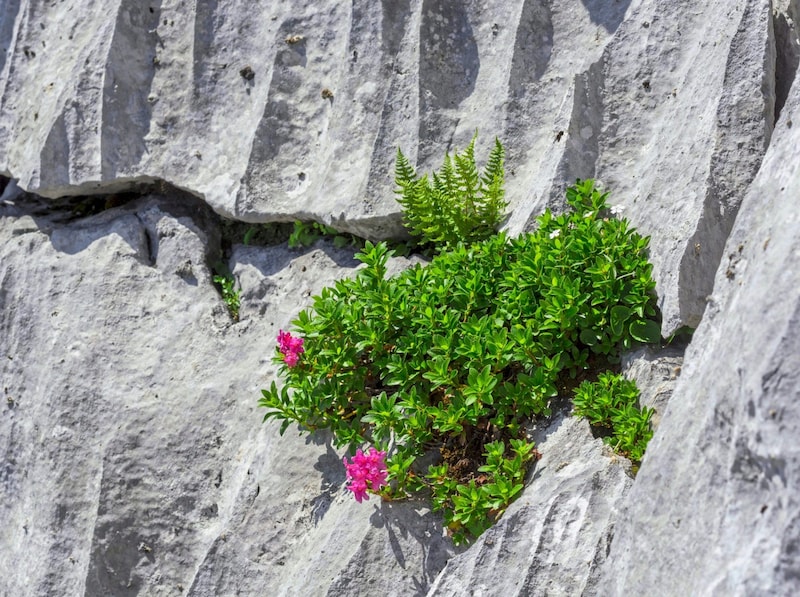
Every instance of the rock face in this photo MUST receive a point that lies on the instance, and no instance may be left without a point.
(553, 540)
(292, 110)
(134, 457)
(721, 476)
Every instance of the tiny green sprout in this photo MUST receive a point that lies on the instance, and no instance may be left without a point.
(248, 235)
(306, 234)
(229, 294)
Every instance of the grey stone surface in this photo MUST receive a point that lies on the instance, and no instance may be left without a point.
(655, 371)
(688, 109)
(134, 457)
(715, 509)
(554, 539)
(671, 104)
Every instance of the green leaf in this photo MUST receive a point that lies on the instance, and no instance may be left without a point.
(619, 315)
(589, 337)
(646, 331)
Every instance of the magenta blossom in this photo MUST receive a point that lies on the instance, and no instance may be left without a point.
(290, 359)
(366, 472)
(290, 347)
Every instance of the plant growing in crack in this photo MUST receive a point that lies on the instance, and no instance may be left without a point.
(611, 405)
(457, 203)
(442, 367)
(226, 285)
(306, 234)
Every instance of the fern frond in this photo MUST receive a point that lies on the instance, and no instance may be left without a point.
(466, 196)
(457, 203)
(404, 173)
(416, 201)
(494, 168)
(492, 191)
(468, 179)
(446, 181)
(411, 193)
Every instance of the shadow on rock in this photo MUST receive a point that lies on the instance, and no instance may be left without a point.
(333, 476)
(605, 13)
(412, 521)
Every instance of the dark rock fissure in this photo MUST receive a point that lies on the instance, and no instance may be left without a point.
(448, 70)
(8, 16)
(787, 53)
(734, 162)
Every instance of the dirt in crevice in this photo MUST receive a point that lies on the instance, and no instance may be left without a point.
(464, 453)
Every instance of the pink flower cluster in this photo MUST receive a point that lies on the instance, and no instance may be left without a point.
(366, 472)
(290, 347)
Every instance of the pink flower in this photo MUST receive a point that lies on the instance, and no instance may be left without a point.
(366, 472)
(290, 347)
(359, 489)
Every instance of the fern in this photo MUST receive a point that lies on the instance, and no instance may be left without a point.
(492, 191)
(457, 203)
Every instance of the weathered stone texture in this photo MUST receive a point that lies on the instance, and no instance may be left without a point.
(134, 457)
(715, 509)
(671, 104)
(553, 540)
(135, 461)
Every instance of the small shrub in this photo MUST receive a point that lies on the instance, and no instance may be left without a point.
(456, 203)
(452, 359)
(612, 403)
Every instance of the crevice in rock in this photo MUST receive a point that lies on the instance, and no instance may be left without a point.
(283, 134)
(396, 30)
(607, 14)
(787, 50)
(582, 137)
(448, 70)
(533, 47)
(79, 205)
(395, 15)
(151, 243)
(8, 16)
(206, 21)
(745, 119)
(55, 153)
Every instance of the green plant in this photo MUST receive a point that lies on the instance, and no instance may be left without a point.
(612, 403)
(451, 360)
(455, 204)
(230, 295)
(307, 233)
(248, 235)
(469, 509)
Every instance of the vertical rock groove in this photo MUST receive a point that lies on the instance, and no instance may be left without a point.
(448, 69)
(129, 73)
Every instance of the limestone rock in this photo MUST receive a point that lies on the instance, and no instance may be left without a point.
(135, 460)
(714, 510)
(554, 539)
(295, 111)
(134, 457)
(655, 372)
